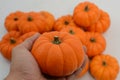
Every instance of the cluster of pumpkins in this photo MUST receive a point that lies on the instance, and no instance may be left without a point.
(66, 44)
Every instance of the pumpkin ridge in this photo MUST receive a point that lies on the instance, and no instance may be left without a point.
(75, 53)
(47, 60)
(63, 59)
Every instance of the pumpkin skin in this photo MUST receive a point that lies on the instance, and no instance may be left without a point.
(32, 21)
(50, 20)
(104, 67)
(76, 32)
(102, 24)
(95, 43)
(84, 68)
(63, 22)
(27, 35)
(8, 42)
(11, 21)
(86, 14)
(58, 54)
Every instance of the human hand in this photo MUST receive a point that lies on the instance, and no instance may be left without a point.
(25, 67)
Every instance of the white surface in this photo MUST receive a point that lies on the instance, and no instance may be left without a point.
(63, 7)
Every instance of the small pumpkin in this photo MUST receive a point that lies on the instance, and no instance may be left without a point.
(8, 42)
(27, 35)
(63, 22)
(102, 24)
(85, 67)
(11, 21)
(49, 19)
(104, 67)
(77, 32)
(86, 14)
(32, 21)
(58, 53)
(95, 43)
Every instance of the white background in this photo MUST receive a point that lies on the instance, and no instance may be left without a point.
(59, 8)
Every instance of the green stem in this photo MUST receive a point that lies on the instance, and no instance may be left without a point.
(29, 18)
(12, 41)
(56, 40)
(86, 8)
(92, 40)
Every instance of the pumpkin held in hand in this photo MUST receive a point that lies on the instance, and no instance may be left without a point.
(86, 14)
(64, 22)
(8, 42)
(102, 24)
(12, 20)
(104, 67)
(95, 43)
(76, 32)
(58, 53)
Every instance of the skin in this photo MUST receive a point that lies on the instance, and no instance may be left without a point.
(24, 66)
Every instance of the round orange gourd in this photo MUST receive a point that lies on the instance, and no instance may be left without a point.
(77, 32)
(11, 21)
(58, 53)
(86, 14)
(32, 21)
(104, 67)
(50, 20)
(95, 43)
(63, 22)
(102, 24)
(8, 42)
(27, 35)
(85, 67)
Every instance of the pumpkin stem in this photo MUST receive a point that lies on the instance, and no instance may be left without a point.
(12, 41)
(104, 63)
(86, 8)
(56, 40)
(66, 22)
(29, 18)
(71, 31)
(15, 19)
(92, 40)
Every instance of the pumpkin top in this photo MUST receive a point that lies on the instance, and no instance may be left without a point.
(63, 22)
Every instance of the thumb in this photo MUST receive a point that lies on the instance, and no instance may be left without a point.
(29, 41)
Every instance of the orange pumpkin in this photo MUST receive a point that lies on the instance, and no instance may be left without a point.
(63, 22)
(86, 14)
(49, 19)
(104, 67)
(32, 21)
(11, 21)
(8, 42)
(27, 35)
(95, 43)
(84, 67)
(77, 32)
(58, 53)
(102, 24)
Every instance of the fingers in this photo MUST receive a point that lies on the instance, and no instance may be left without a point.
(28, 42)
(85, 49)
